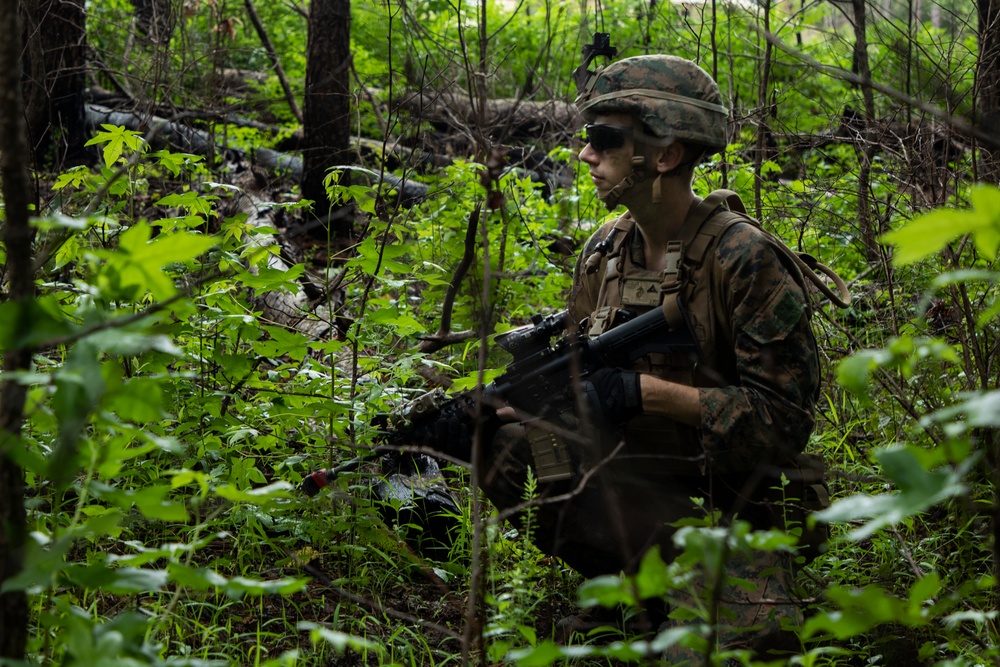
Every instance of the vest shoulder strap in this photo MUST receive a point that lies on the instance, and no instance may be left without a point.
(612, 242)
(711, 227)
(807, 265)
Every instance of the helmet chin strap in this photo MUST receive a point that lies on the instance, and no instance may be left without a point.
(638, 173)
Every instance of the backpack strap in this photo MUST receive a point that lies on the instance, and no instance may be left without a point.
(698, 233)
(806, 263)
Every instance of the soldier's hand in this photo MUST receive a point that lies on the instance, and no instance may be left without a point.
(613, 396)
(453, 437)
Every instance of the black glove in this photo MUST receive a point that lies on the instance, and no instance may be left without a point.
(453, 437)
(613, 396)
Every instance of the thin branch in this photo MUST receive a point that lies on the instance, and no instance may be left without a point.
(273, 55)
(956, 123)
(444, 334)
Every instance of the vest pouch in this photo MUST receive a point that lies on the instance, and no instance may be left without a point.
(641, 292)
(660, 447)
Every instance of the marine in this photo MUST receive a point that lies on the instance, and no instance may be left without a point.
(723, 425)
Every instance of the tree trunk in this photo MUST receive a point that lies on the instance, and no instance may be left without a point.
(54, 41)
(865, 150)
(327, 103)
(16, 193)
(988, 83)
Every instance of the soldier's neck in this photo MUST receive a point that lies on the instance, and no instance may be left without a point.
(659, 223)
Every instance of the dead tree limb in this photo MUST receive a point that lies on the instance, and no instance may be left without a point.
(190, 140)
(445, 336)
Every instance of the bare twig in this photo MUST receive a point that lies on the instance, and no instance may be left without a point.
(444, 334)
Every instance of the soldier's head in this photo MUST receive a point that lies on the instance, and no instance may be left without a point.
(666, 99)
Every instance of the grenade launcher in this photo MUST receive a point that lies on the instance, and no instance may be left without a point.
(541, 380)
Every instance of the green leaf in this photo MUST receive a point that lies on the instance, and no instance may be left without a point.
(853, 371)
(31, 323)
(340, 641)
(929, 233)
(152, 501)
(140, 400)
(79, 387)
(271, 491)
(652, 579)
(542, 655)
(120, 580)
(272, 279)
(145, 555)
(194, 202)
(923, 590)
(919, 490)
(978, 410)
(43, 560)
(137, 265)
(862, 610)
(116, 140)
(607, 591)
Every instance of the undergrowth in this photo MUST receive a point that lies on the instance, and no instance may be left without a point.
(169, 426)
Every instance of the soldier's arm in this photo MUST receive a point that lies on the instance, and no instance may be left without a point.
(769, 414)
(669, 399)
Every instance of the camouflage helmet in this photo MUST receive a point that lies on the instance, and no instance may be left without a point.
(672, 96)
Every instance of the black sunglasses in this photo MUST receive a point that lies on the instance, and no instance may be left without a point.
(605, 137)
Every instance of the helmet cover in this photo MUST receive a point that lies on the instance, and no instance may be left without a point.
(672, 96)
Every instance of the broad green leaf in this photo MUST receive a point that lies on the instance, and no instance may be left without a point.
(853, 371)
(923, 590)
(861, 610)
(652, 579)
(920, 489)
(153, 502)
(978, 410)
(404, 324)
(116, 140)
(340, 641)
(115, 340)
(31, 323)
(79, 387)
(929, 233)
(272, 279)
(191, 200)
(145, 555)
(542, 655)
(606, 591)
(117, 580)
(139, 399)
(273, 490)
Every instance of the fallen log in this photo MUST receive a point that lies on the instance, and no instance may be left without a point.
(180, 137)
(552, 122)
(310, 308)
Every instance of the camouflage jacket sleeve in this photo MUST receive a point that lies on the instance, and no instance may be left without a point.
(768, 414)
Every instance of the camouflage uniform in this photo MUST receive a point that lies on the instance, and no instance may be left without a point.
(758, 376)
(757, 388)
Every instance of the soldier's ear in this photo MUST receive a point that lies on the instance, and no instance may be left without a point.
(669, 157)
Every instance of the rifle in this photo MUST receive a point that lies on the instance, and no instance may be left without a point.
(541, 379)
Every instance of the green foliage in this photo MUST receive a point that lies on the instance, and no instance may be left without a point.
(168, 424)
(923, 479)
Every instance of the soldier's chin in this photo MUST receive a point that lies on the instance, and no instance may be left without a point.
(610, 202)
